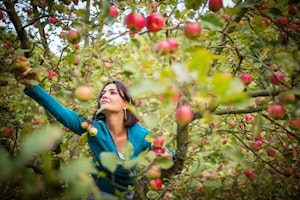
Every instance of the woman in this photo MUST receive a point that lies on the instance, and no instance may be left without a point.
(115, 126)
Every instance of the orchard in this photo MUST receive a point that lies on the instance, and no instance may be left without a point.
(217, 83)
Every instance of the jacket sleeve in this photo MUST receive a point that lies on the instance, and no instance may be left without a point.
(66, 117)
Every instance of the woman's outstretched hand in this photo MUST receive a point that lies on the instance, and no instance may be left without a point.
(25, 77)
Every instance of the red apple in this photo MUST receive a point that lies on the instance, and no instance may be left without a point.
(225, 16)
(215, 5)
(249, 118)
(276, 111)
(282, 21)
(51, 74)
(135, 22)
(6, 45)
(250, 174)
(7, 132)
(36, 122)
(52, 19)
(293, 27)
(163, 47)
(294, 124)
(256, 144)
(106, 64)
(113, 11)
(76, 60)
(76, 46)
(184, 114)
(192, 30)
(84, 93)
(155, 184)
(277, 78)
(173, 45)
(153, 172)
(231, 122)
(271, 152)
(286, 97)
(140, 101)
(75, 2)
(84, 124)
(73, 36)
(153, 7)
(288, 171)
(224, 141)
(246, 78)
(155, 22)
(212, 124)
(159, 151)
(158, 142)
(293, 10)
(1, 14)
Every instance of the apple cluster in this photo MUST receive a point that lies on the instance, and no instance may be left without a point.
(157, 146)
(154, 173)
(90, 128)
(287, 24)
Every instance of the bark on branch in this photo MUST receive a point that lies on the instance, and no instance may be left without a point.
(25, 43)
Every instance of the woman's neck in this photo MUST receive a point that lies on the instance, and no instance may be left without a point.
(115, 124)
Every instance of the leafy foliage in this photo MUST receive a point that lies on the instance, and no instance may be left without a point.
(42, 159)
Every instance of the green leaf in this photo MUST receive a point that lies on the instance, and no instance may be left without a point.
(200, 61)
(142, 86)
(235, 156)
(110, 160)
(198, 167)
(6, 165)
(215, 184)
(105, 7)
(83, 139)
(257, 126)
(128, 150)
(212, 22)
(129, 164)
(220, 84)
(76, 167)
(164, 163)
(40, 141)
(150, 120)
(234, 98)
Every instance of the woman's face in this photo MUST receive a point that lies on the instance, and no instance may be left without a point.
(111, 99)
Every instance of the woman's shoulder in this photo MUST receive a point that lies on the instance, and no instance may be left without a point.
(138, 129)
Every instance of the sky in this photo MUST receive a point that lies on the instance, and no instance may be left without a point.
(118, 26)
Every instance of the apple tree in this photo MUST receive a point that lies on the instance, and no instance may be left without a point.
(217, 83)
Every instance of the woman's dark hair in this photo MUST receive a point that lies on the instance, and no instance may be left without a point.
(131, 119)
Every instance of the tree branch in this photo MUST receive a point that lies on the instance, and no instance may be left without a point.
(25, 43)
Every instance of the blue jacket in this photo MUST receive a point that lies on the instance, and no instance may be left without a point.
(101, 142)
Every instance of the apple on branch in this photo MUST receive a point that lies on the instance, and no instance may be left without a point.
(84, 93)
(73, 36)
(215, 5)
(153, 172)
(113, 11)
(276, 111)
(155, 22)
(192, 30)
(135, 22)
(184, 114)
(155, 184)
